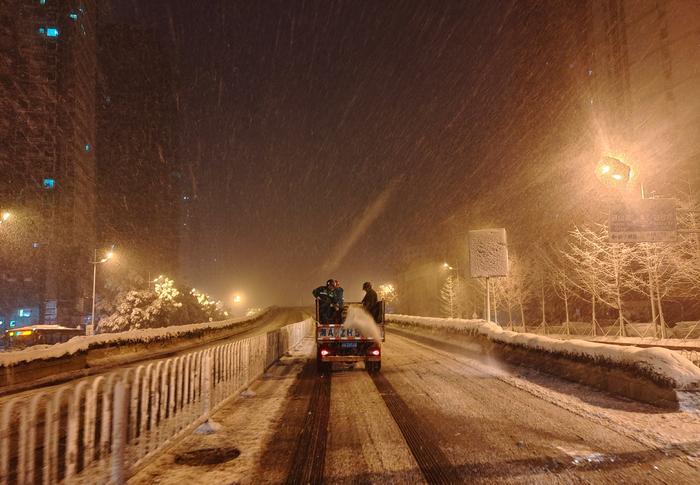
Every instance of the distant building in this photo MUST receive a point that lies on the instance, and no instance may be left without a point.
(139, 177)
(644, 75)
(419, 287)
(47, 135)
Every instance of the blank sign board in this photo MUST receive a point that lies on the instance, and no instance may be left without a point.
(488, 253)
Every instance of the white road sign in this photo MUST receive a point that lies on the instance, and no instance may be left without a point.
(488, 253)
(646, 220)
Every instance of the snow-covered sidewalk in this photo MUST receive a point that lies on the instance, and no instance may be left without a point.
(246, 422)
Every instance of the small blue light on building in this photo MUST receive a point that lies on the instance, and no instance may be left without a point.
(42, 2)
(87, 147)
(25, 312)
(36, 245)
(49, 31)
(49, 184)
(73, 16)
(12, 323)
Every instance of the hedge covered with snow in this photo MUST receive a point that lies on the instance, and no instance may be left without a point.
(659, 364)
(142, 336)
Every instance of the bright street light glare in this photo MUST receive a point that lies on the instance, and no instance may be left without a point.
(5, 216)
(109, 255)
(613, 172)
(237, 299)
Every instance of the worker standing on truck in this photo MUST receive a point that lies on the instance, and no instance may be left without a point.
(326, 302)
(369, 302)
(338, 303)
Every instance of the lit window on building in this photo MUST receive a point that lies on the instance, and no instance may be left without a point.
(51, 32)
(49, 184)
(25, 312)
(87, 147)
(12, 323)
(42, 2)
(36, 245)
(2, 323)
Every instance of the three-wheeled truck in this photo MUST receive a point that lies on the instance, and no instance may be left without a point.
(335, 343)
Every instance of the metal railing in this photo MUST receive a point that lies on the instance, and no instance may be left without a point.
(105, 428)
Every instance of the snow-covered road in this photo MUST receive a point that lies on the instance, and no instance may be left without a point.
(437, 413)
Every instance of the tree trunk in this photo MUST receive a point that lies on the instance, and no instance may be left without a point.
(651, 294)
(510, 315)
(593, 320)
(662, 320)
(653, 306)
(544, 314)
(566, 309)
(621, 319)
(522, 312)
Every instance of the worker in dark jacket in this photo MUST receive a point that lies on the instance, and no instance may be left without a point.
(327, 304)
(338, 302)
(369, 302)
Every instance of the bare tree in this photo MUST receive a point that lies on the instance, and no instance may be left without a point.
(448, 297)
(601, 268)
(560, 280)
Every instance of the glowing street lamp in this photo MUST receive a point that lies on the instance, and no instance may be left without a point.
(447, 266)
(5, 216)
(613, 172)
(95, 262)
(237, 299)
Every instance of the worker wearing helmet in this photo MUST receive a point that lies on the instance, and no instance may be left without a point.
(338, 302)
(326, 302)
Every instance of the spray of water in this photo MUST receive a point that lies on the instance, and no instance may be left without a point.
(359, 319)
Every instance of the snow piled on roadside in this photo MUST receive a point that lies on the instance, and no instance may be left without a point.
(658, 362)
(80, 344)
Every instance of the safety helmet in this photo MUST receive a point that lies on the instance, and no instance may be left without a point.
(330, 282)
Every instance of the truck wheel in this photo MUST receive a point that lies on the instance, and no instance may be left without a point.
(322, 367)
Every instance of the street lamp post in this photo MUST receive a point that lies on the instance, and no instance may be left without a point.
(95, 262)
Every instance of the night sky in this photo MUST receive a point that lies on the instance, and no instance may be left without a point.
(333, 138)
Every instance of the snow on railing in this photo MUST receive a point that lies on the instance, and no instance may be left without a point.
(103, 429)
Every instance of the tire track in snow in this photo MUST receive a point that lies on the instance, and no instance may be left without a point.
(310, 453)
(434, 465)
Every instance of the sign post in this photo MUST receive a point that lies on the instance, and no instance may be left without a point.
(488, 257)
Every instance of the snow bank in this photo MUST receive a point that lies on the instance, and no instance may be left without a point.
(659, 364)
(81, 344)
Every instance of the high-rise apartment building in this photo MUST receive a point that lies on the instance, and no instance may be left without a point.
(47, 143)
